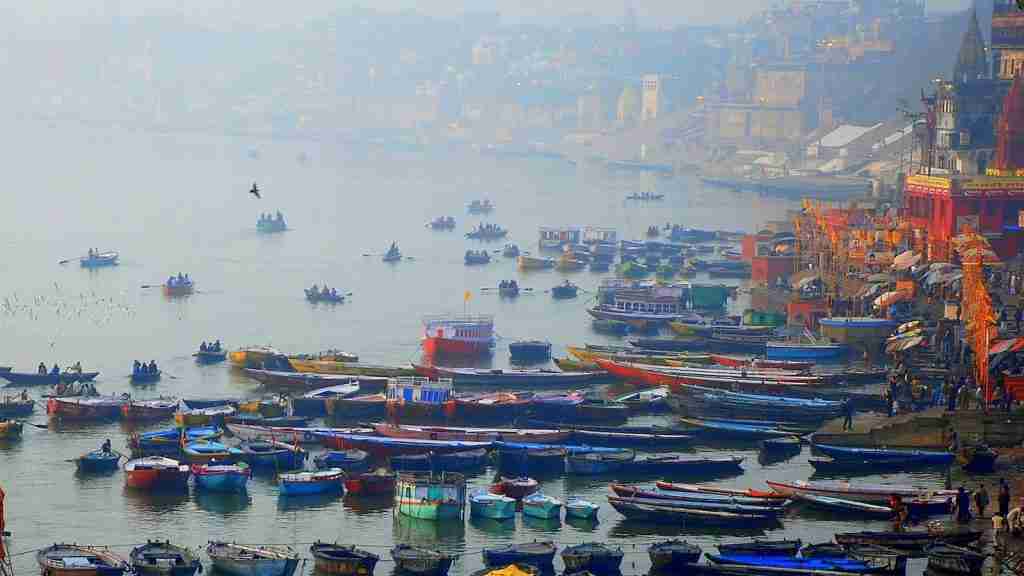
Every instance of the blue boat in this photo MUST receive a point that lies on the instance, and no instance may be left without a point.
(580, 508)
(99, 259)
(459, 461)
(790, 563)
(538, 554)
(411, 463)
(351, 461)
(931, 457)
(783, 445)
(205, 451)
(221, 477)
(495, 506)
(330, 481)
(384, 445)
(273, 455)
(734, 430)
(594, 463)
(569, 448)
(675, 465)
(167, 441)
(799, 351)
(98, 461)
(531, 461)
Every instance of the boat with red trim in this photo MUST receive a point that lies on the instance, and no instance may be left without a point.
(79, 408)
(156, 472)
(458, 334)
(149, 410)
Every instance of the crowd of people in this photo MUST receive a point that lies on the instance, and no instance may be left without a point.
(142, 368)
(179, 280)
(75, 368)
(325, 293)
(277, 218)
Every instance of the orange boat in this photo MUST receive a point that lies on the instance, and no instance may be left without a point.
(156, 472)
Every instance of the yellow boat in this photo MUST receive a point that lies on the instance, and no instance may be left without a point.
(252, 357)
(353, 368)
(570, 365)
(10, 429)
(267, 409)
(683, 329)
(531, 263)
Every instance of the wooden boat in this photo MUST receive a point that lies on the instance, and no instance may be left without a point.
(337, 560)
(179, 288)
(915, 541)
(474, 257)
(487, 232)
(348, 368)
(249, 432)
(351, 461)
(491, 408)
(951, 559)
(430, 497)
(704, 506)
(599, 463)
(163, 559)
(273, 455)
(169, 440)
(564, 291)
(608, 326)
(329, 481)
(480, 207)
(99, 259)
(79, 408)
(75, 560)
(25, 379)
(798, 566)
(11, 407)
(852, 467)
(594, 557)
(777, 350)
(758, 547)
(278, 379)
(755, 362)
(918, 457)
(675, 465)
(375, 483)
(221, 477)
(10, 429)
(98, 461)
(531, 461)
(321, 297)
(277, 423)
(543, 436)
(148, 410)
(315, 403)
(538, 505)
(202, 416)
(974, 459)
(783, 445)
(420, 561)
(252, 357)
(529, 351)
(366, 406)
(442, 223)
(538, 554)
(627, 491)
(156, 472)
(581, 509)
(635, 509)
(849, 507)
(459, 461)
(516, 488)
(871, 493)
(645, 401)
(199, 403)
(508, 378)
(240, 560)
(722, 491)
(145, 377)
(637, 440)
(734, 430)
(494, 506)
(533, 263)
(392, 446)
(673, 556)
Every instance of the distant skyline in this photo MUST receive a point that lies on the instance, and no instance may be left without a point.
(235, 14)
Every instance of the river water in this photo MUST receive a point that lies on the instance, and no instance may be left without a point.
(178, 202)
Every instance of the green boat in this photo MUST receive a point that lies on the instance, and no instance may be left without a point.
(431, 497)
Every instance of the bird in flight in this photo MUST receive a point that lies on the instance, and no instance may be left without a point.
(255, 191)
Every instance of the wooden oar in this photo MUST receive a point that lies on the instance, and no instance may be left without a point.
(69, 260)
(43, 426)
(144, 286)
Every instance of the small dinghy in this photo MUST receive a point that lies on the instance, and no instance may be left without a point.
(538, 554)
(337, 560)
(75, 560)
(164, 559)
(420, 561)
(240, 560)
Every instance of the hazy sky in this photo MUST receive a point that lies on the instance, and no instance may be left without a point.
(268, 13)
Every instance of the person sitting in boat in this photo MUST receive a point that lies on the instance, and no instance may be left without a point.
(105, 448)
(280, 217)
(24, 395)
(136, 367)
(55, 370)
(77, 368)
(42, 368)
(334, 294)
(202, 347)
(216, 346)
(152, 367)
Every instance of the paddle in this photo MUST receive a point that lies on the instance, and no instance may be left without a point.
(41, 426)
(65, 261)
(144, 286)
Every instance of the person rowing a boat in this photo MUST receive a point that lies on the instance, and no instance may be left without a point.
(105, 448)
(136, 367)
(202, 347)
(42, 368)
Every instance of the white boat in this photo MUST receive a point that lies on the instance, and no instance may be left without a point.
(239, 560)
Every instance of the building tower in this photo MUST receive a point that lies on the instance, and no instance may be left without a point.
(971, 61)
(1007, 39)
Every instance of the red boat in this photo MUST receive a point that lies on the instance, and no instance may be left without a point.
(675, 378)
(81, 408)
(458, 335)
(515, 487)
(538, 436)
(752, 362)
(147, 410)
(156, 472)
(371, 483)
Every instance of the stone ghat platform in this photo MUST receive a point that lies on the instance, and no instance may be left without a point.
(929, 429)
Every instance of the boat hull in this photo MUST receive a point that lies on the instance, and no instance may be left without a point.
(335, 560)
(260, 567)
(222, 482)
(434, 346)
(493, 509)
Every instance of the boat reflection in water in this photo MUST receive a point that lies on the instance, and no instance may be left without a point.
(626, 529)
(422, 532)
(153, 503)
(542, 525)
(377, 505)
(492, 526)
(582, 524)
(308, 502)
(222, 503)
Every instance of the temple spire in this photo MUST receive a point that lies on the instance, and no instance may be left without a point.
(971, 61)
